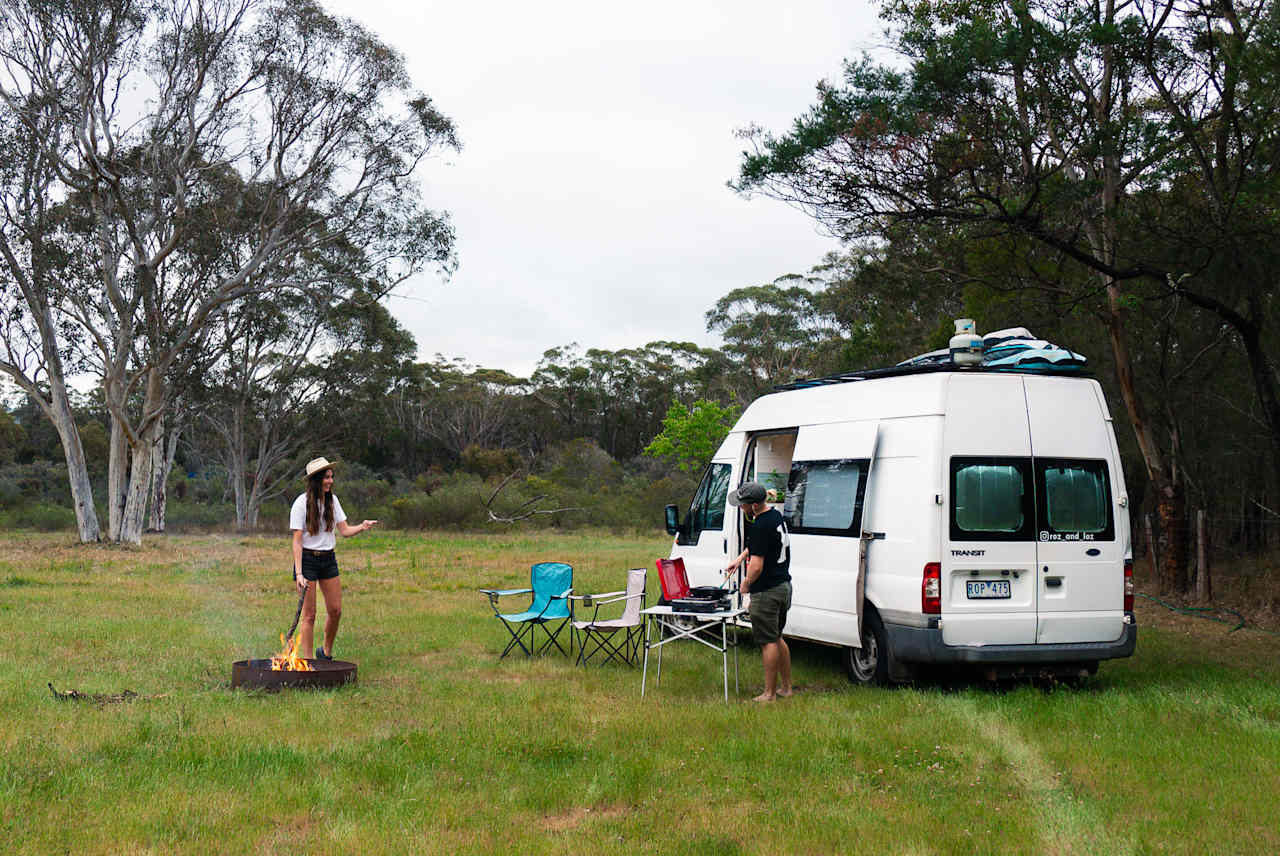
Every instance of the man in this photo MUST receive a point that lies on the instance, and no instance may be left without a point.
(768, 581)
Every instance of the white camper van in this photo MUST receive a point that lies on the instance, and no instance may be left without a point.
(937, 515)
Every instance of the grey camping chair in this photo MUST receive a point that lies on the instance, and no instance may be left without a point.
(616, 638)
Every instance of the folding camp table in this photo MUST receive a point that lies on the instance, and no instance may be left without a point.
(694, 626)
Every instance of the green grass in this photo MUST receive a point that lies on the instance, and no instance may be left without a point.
(441, 748)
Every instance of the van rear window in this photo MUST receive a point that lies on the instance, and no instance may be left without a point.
(1075, 500)
(991, 499)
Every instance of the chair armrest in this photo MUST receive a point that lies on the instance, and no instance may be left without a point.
(494, 594)
(620, 599)
(588, 598)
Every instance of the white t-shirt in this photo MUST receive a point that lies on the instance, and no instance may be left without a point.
(322, 540)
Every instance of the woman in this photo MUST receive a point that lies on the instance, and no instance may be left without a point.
(314, 517)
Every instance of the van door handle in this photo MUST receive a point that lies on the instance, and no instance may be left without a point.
(726, 546)
(1053, 582)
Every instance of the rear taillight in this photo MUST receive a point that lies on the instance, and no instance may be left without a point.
(1128, 585)
(931, 589)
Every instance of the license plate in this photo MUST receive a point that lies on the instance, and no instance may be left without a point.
(987, 589)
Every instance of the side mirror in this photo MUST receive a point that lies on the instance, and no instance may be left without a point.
(673, 519)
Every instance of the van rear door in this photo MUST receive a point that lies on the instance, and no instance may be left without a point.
(989, 587)
(1080, 574)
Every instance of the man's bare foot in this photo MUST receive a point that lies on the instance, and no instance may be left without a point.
(786, 693)
(765, 697)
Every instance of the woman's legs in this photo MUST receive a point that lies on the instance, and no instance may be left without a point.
(332, 589)
(307, 622)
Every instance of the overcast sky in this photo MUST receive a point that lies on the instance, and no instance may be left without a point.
(589, 197)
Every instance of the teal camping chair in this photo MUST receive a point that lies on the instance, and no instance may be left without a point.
(552, 583)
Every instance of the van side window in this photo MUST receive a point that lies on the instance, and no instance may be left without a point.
(991, 499)
(707, 510)
(1075, 500)
(825, 497)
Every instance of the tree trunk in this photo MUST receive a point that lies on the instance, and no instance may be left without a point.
(1171, 541)
(1204, 584)
(117, 478)
(1171, 511)
(134, 514)
(64, 421)
(133, 489)
(163, 451)
(255, 505)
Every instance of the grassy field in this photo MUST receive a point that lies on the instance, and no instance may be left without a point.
(441, 748)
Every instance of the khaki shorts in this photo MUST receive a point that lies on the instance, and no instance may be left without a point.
(768, 611)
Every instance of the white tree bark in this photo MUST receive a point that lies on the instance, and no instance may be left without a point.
(163, 451)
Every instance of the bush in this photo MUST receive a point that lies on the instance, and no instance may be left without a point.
(197, 515)
(456, 503)
(10, 492)
(490, 462)
(37, 482)
(358, 487)
(43, 517)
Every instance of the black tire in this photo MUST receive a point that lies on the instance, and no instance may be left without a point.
(869, 665)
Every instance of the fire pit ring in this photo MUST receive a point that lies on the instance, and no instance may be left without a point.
(258, 674)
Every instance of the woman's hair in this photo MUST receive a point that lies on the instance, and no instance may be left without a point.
(315, 493)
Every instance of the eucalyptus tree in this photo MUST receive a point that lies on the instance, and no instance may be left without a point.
(164, 120)
(252, 402)
(457, 406)
(777, 332)
(33, 280)
(1043, 120)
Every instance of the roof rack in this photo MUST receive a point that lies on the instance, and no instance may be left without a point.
(898, 371)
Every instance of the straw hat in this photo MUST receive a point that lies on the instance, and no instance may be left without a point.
(315, 465)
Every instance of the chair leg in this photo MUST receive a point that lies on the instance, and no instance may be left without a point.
(594, 637)
(604, 642)
(524, 628)
(553, 638)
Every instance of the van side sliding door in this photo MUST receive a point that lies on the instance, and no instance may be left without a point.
(826, 493)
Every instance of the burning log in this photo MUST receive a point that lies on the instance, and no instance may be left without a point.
(288, 660)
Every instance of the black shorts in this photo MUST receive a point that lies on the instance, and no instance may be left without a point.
(319, 564)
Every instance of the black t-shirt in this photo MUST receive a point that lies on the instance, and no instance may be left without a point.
(767, 537)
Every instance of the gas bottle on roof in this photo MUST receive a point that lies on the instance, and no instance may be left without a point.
(966, 344)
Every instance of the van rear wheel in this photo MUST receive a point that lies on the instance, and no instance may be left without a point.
(869, 665)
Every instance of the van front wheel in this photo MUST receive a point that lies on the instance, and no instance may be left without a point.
(869, 664)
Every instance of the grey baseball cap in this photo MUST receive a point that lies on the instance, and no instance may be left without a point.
(747, 492)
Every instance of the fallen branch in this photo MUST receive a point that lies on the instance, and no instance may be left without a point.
(99, 698)
(520, 512)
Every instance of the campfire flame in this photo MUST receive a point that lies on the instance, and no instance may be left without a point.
(288, 660)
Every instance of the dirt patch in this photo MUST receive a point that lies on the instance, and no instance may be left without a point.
(576, 817)
(289, 833)
(1246, 589)
(1170, 612)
